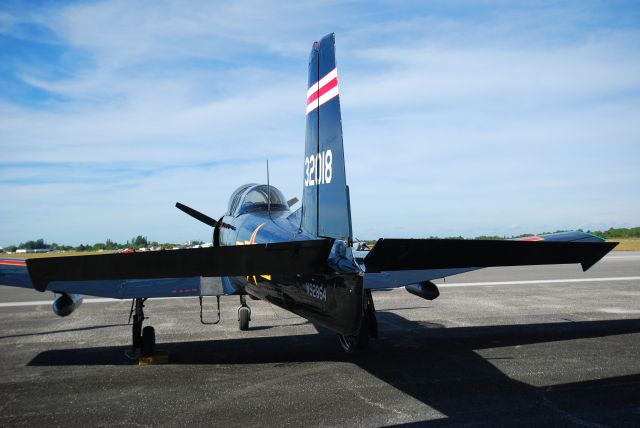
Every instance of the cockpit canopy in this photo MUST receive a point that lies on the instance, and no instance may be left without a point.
(256, 197)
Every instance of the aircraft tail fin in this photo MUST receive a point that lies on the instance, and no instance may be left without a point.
(326, 210)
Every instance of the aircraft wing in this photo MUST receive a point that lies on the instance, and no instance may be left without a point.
(391, 263)
(163, 273)
(13, 272)
(400, 262)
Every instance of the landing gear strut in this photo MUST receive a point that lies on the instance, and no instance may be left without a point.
(143, 339)
(244, 314)
(368, 328)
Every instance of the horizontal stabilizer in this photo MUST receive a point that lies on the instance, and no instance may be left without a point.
(298, 257)
(415, 254)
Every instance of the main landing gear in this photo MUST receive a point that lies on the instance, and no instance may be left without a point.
(144, 340)
(368, 328)
(244, 314)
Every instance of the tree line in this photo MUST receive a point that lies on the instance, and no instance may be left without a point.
(142, 241)
(611, 233)
(135, 243)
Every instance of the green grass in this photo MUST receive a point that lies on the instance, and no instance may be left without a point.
(627, 244)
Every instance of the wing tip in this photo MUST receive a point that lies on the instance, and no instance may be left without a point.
(606, 248)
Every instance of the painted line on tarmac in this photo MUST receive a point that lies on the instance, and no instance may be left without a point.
(620, 257)
(440, 285)
(85, 300)
(537, 281)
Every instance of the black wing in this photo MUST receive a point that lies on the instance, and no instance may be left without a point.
(421, 254)
(297, 257)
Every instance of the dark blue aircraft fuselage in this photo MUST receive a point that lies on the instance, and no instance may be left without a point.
(333, 299)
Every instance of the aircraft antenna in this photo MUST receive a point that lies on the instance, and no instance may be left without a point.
(268, 191)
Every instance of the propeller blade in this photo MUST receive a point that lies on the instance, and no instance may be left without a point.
(196, 214)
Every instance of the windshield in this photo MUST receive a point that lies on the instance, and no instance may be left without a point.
(259, 197)
(236, 195)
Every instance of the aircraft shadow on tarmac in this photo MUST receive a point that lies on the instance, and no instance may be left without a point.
(437, 366)
(67, 330)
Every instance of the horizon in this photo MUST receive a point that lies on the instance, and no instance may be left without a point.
(458, 120)
(627, 233)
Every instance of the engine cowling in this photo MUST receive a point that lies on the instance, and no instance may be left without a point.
(64, 304)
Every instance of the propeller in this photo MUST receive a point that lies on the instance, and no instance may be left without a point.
(196, 214)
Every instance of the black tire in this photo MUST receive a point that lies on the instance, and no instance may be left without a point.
(137, 336)
(358, 342)
(148, 347)
(244, 315)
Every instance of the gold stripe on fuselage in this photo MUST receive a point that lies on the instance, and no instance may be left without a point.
(252, 241)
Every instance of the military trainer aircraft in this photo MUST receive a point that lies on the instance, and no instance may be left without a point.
(302, 260)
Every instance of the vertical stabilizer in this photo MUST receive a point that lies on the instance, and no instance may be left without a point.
(325, 196)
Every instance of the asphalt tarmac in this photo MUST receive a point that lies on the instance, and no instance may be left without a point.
(512, 346)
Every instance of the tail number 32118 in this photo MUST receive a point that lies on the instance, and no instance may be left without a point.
(318, 168)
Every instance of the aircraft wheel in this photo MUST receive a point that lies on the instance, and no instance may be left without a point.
(148, 341)
(358, 342)
(244, 315)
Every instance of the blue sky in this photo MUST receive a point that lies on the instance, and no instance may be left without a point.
(459, 118)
